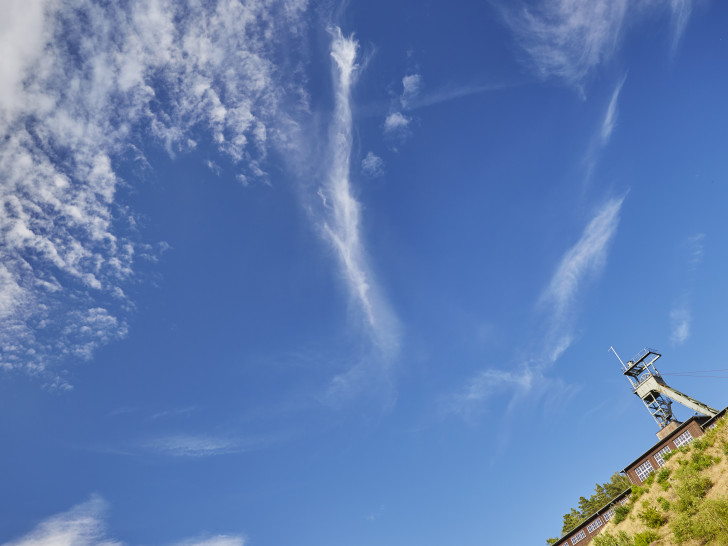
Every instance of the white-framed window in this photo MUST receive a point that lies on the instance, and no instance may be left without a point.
(578, 536)
(608, 514)
(659, 456)
(684, 439)
(644, 470)
(594, 525)
(623, 501)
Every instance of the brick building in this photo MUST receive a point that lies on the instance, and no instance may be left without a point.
(671, 438)
(590, 527)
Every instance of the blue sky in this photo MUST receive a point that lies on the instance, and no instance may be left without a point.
(320, 273)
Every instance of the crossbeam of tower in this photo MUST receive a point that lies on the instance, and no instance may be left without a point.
(647, 383)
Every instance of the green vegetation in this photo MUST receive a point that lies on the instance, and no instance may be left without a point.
(608, 539)
(684, 503)
(662, 478)
(651, 516)
(587, 507)
(602, 495)
(621, 513)
(645, 539)
(709, 523)
(623, 539)
(664, 503)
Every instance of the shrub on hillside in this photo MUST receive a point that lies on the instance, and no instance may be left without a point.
(607, 539)
(664, 503)
(701, 461)
(690, 489)
(645, 539)
(620, 514)
(709, 524)
(651, 516)
(662, 478)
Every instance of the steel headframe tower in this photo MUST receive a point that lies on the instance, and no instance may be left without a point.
(647, 383)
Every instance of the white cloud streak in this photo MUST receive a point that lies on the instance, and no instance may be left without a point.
(680, 314)
(567, 39)
(681, 10)
(83, 85)
(696, 250)
(186, 445)
(342, 224)
(680, 319)
(486, 384)
(84, 525)
(583, 261)
(601, 137)
(218, 540)
(448, 93)
(610, 117)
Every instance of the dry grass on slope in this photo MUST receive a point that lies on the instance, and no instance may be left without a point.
(685, 503)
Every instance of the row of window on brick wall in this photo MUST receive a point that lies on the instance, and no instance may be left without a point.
(594, 525)
(684, 439)
(659, 456)
(646, 468)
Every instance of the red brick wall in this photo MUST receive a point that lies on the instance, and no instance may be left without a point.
(695, 431)
(589, 536)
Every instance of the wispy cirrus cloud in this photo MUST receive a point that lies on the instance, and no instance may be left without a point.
(82, 525)
(680, 323)
(680, 10)
(450, 92)
(202, 445)
(342, 212)
(398, 121)
(602, 136)
(340, 221)
(217, 540)
(172, 413)
(85, 87)
(85, 525)
(582, 261)
(681, 314)
(558, 302)
(567, 39)
(486, 384)
(610, 116)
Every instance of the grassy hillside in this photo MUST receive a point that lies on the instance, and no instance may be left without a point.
(683, 503)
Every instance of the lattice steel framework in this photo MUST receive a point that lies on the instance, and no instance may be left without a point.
(647, 383)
